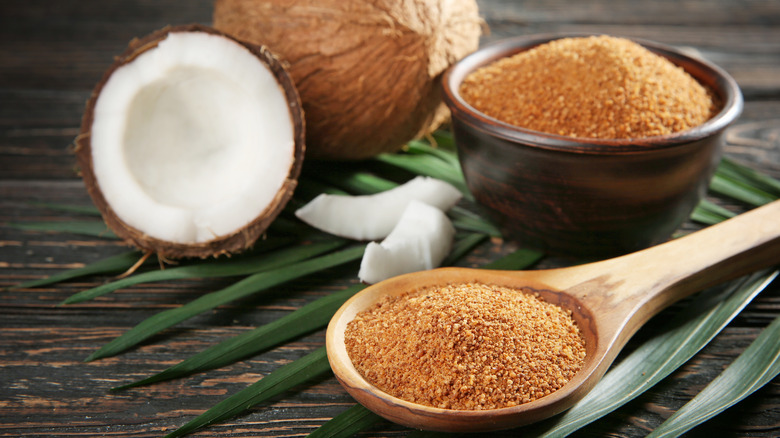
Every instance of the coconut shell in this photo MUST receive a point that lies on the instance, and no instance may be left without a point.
(239, 240)
(368, 71)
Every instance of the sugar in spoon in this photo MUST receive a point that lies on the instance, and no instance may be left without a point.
(610, 300)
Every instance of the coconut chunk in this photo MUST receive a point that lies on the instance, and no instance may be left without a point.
(192, 143)
(420, 241)
(373, 217)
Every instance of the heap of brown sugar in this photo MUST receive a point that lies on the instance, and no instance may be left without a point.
(466, 346)
(593, 87)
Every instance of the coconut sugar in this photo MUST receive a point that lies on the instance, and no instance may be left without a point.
(590, 87)
(466, 346)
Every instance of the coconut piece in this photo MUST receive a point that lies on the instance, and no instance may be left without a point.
(192, 143)
(373, 217)
(420, 241)
(368, 71)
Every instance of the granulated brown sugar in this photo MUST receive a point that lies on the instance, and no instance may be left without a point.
(594, 87)
(466, 346)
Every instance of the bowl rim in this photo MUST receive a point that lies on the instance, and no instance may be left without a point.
(720, 82)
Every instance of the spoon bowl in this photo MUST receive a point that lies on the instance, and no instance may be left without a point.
(609, 300)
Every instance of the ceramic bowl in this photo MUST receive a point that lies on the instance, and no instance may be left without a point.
(586, 197)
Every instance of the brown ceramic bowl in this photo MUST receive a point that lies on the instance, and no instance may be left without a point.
(586, 197)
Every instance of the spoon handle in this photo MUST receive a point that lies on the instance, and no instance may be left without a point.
(640, 284)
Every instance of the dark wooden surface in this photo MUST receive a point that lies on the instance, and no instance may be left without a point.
(51, 55)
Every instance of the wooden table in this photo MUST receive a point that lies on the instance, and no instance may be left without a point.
(53, 53)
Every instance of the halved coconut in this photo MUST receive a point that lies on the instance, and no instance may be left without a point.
(373, 217)
(420, 241)
(192, 143)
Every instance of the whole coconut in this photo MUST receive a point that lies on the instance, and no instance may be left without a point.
(368, 71)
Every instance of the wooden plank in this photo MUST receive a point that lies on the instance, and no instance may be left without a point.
(52, 55)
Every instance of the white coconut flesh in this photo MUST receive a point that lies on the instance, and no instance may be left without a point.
(373, 217)
(420, 241)
(192, 139)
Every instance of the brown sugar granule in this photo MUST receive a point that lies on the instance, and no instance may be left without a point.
(590, 87)
(466, 346)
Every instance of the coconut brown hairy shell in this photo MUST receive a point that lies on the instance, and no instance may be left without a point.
(368, 71)
(235, 241)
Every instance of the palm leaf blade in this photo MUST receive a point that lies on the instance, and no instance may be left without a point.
(88, 210)
(250, 285)
(754, 368)
(444, 151)
(693, 328)
(468, 221)
(117, 263)
(218, 268)
(519, 259)
(84, 228)
(310, 317)
(285, 377)
(749, 176)
(728, 186)
(358, 182)
(463, 246)
(429, 166)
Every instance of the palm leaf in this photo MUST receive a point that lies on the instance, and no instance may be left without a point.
(705, 216)
(710, 213)
(357, 182)
(463, 246)
(444, 150)
(519, 259)
(749, 176)
(429, 166)
(310, 317)
(285, 377)
(717, 209)
(88, 210)
(85, 228)
(110, 265)
(215, 268)
(744, 184)
(443, 138)
(754, 368)
(250, 285)
(466, 220)
(690, 331)
(742, 191)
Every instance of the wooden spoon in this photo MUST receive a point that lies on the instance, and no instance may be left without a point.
(609, 300)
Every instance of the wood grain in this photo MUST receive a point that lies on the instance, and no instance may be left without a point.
(53, 53)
